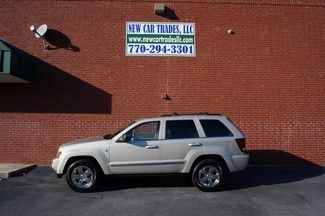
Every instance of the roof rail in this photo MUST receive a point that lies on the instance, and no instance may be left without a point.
(171, 114)
(200, 113)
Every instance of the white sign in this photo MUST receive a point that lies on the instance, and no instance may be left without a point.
(160, 39)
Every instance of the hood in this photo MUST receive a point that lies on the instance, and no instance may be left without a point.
(84, 141)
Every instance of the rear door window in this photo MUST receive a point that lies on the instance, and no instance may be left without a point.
(215, 128)
(180, 129)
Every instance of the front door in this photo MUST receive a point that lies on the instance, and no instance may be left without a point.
(137, 151)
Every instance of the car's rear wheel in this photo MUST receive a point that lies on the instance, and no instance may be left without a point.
(82, 175)
(208, 175)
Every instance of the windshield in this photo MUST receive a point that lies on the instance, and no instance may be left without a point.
(110, 136)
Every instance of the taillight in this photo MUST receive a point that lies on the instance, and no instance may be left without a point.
(241, 144)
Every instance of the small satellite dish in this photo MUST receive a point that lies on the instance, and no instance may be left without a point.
(41, 31)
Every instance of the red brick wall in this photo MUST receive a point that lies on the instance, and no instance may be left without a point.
(268, 77)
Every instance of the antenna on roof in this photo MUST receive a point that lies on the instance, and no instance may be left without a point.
(40, 33)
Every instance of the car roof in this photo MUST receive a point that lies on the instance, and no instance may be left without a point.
(182, 116)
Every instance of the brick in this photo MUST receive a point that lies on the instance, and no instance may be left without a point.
(268, 76)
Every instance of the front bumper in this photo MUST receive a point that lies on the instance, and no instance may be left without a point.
(58, 165)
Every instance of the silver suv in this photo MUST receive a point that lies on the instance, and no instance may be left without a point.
(207, 146)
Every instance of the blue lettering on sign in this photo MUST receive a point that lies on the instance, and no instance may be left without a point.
(134, 28)
(149, 28)
(188, 29)
(168, 29)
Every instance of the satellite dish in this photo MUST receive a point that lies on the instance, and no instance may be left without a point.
(41, 31)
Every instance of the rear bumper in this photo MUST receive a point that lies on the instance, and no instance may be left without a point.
(237, 162)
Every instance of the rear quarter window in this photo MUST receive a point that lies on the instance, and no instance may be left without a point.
(215, 128)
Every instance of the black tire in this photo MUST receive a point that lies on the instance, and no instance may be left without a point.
(89, 172)
(217, 175)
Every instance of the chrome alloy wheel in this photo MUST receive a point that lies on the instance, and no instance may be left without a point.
(82, 177)
(209, 176)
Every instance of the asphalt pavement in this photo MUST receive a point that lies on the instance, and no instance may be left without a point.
(256, 191)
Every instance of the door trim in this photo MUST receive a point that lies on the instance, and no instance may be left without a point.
(150, 163)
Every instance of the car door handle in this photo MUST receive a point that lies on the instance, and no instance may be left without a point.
(151, 147)
(195, 144)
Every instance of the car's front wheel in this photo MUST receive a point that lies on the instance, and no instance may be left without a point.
(82, 175)
(208, 175)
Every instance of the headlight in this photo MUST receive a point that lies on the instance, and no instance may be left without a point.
(58, 154)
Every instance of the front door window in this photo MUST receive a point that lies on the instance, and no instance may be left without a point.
(145, 131)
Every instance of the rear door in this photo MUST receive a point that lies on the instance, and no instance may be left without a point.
(180, 138)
